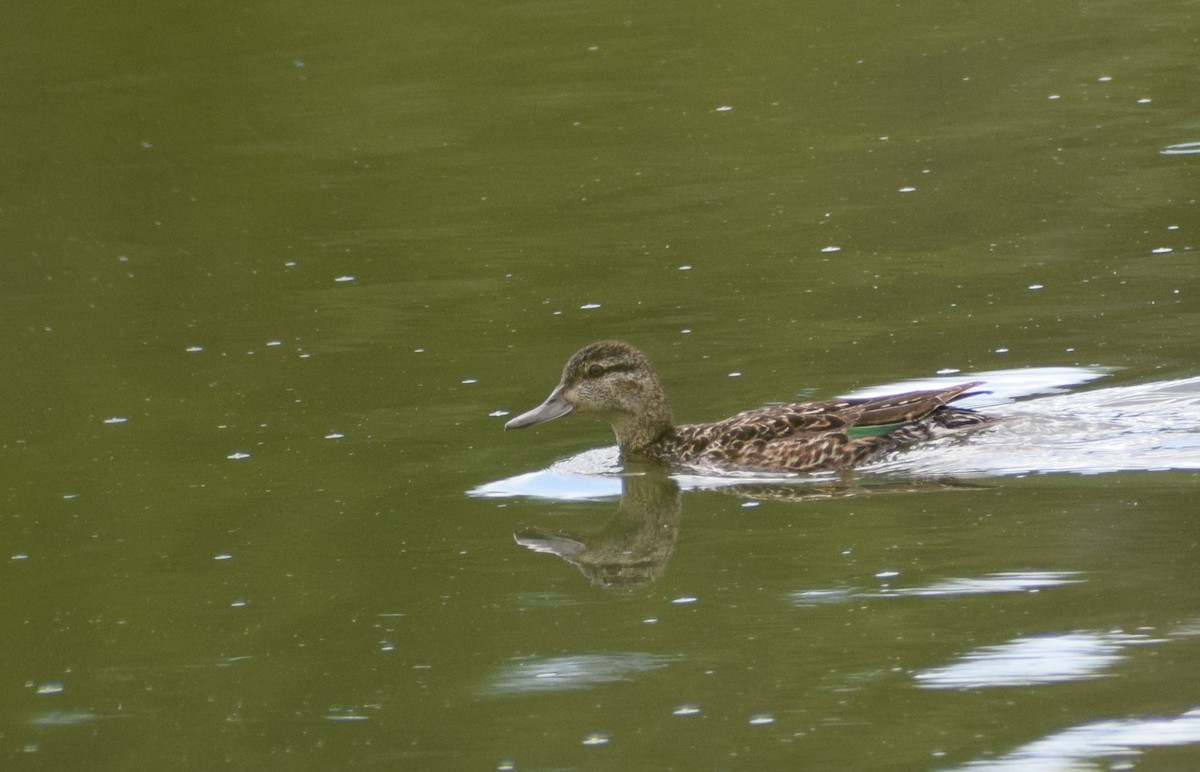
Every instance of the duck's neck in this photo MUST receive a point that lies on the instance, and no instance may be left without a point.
(638, 435)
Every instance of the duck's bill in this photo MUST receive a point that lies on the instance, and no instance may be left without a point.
(554, 407)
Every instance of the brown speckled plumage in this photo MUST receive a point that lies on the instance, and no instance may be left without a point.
(615, 381)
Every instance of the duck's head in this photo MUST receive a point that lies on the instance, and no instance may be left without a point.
(615, 381)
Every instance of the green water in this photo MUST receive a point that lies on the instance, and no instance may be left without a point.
(271, 274)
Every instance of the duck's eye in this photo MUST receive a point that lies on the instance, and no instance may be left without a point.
(595, 370)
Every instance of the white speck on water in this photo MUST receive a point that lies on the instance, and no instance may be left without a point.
(831, 248)
(589, 306)
(274, 343)
(749, 504)
(238, 604)
(1054, 96)
(387, 646)
(334, 436)
(685, 331)
(1104, 78)
(596, 739)
(1161, 250)
(761, 719)
(735, 374)
(948, 371)
(723, 109)
(1001, 351)
(593, 48)
(889, 574)
(687, 709)
(223, 556)
(51, 687)
(1036, 287)
(685, 600)
(908, 189)
(1144, 101)
(194, 349)
(344, 278)
(1172, 227)
(497, 413)
(469, 381)
(650, 621)
(69, 496)
(290, 264)
(685, 268)
(19, 556)
(116, 420)
(418, 351)
(238, 456)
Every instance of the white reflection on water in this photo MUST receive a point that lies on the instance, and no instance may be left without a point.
(532, 675)
(64, 718)
(1079, 748)
(1003, 581)
(1044, 659)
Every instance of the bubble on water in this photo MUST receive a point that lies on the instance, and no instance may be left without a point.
(116, 420)
(597, 739)
(761, 719)
(687, 709)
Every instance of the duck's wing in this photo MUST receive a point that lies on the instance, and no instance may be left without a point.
(903, 408)
(817, 435)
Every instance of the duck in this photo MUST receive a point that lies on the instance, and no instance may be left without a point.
(614, 381)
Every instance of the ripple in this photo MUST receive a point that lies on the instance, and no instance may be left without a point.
(1046, 659)
(1183, 148)
(1074, 748)
(535, 675)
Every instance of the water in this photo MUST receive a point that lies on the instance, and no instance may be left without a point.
(272, 277)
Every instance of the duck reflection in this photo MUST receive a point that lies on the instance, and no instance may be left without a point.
(633, 548)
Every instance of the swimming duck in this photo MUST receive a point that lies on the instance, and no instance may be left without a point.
(616, 382)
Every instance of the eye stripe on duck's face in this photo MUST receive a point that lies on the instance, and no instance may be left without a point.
(595, 369)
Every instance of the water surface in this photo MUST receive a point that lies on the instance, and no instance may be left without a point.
(273, 275)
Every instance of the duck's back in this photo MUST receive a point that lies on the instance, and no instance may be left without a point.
(817, 436)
